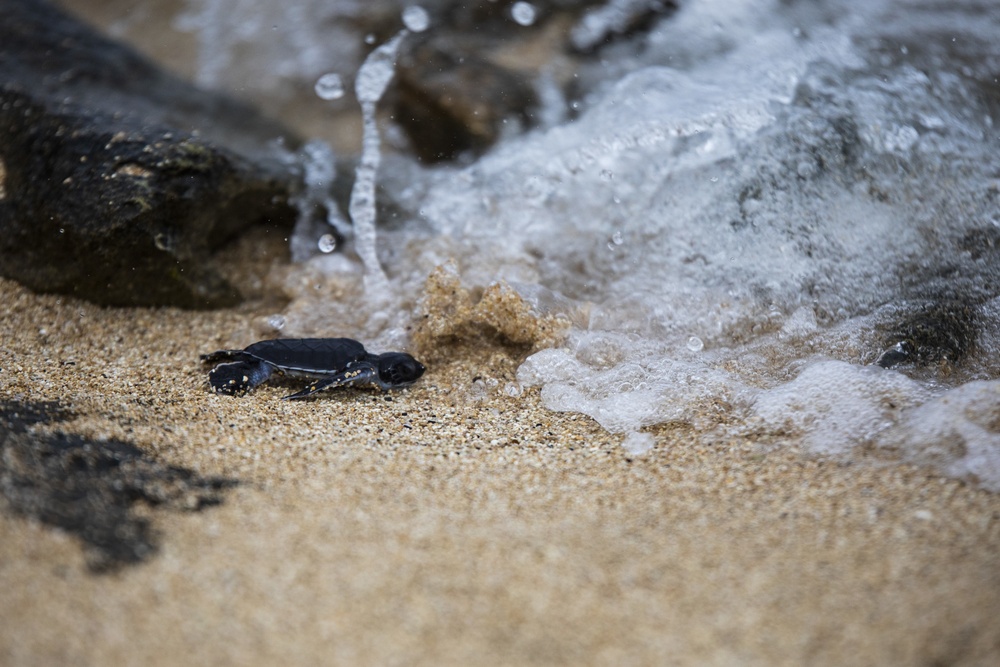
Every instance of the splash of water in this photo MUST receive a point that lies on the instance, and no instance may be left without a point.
(372, 80)
(318, 164)
(734, 211)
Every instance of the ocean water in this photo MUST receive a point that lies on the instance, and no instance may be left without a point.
(728, 217)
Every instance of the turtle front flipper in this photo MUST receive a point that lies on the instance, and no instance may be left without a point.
(363, 373)
(239, 377)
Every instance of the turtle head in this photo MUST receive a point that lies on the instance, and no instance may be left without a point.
(398, 369)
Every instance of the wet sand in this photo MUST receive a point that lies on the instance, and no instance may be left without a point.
(441, 526)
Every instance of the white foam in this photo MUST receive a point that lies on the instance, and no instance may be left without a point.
(638, 443)
(626, 384)
(958, 432)
(834, 406)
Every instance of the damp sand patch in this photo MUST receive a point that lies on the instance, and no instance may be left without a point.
(92, 489)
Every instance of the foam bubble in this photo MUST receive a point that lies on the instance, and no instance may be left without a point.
(637, 443)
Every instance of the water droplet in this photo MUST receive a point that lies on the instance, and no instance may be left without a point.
(616, 199)
(415, 18)
(62, 231)
(695, 344)
(329, 86)
(512, 389)
(327, 243)
(617, 238)
(276, 322)
(523, 13)
(715, 179)
(370, 38)
(606, 175)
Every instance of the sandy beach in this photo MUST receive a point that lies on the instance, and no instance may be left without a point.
(460, 522)
(444, 525)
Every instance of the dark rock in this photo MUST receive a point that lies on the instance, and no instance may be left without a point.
(117, 180)
(451, 102)
(88, 488)
(942, 331)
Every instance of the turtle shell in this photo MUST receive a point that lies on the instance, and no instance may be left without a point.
(309, 355)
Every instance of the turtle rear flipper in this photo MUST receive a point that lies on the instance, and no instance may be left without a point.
(363, 373)
(239, 377)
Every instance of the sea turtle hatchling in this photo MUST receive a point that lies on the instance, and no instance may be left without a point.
(331, 362)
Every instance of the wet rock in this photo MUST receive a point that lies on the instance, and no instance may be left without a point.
(451, 102)
(938, 332)
(90, 488)
(117, 180)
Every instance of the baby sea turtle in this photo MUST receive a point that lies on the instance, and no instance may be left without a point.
(332, 362)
